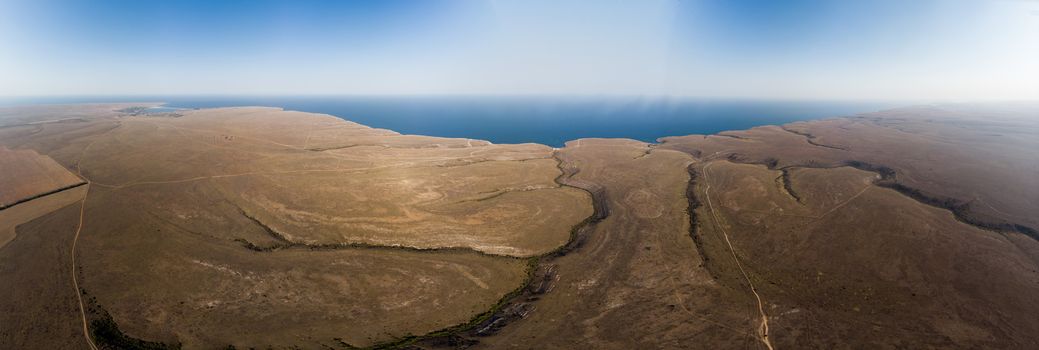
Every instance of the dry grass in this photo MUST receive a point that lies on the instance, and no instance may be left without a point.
(257, 227)
(11, 217)
(862, 264)
(292, 229)
(27, 175)
(982, 162)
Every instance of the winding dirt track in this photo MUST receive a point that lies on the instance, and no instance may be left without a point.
(75, 280)
(763, 329)
(75, 240)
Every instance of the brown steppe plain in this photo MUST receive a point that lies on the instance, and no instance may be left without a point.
(263, 228)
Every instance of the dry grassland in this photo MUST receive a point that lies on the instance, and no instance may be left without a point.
(257, 227)
(27, 175)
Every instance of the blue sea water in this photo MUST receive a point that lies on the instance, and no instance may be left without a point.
(547, 120)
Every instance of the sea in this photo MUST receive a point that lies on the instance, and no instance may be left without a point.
(549, 120)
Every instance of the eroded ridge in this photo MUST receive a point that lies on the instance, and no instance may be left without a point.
(541, 275)
(792, 207)
(891, 143)
(817, 238)
(190, 217)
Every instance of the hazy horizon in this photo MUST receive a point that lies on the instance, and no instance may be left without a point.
(961, 50)
(503, 174)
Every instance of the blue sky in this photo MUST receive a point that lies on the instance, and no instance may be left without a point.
(800, 49)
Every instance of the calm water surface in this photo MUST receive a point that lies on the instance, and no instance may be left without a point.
(546, 120)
